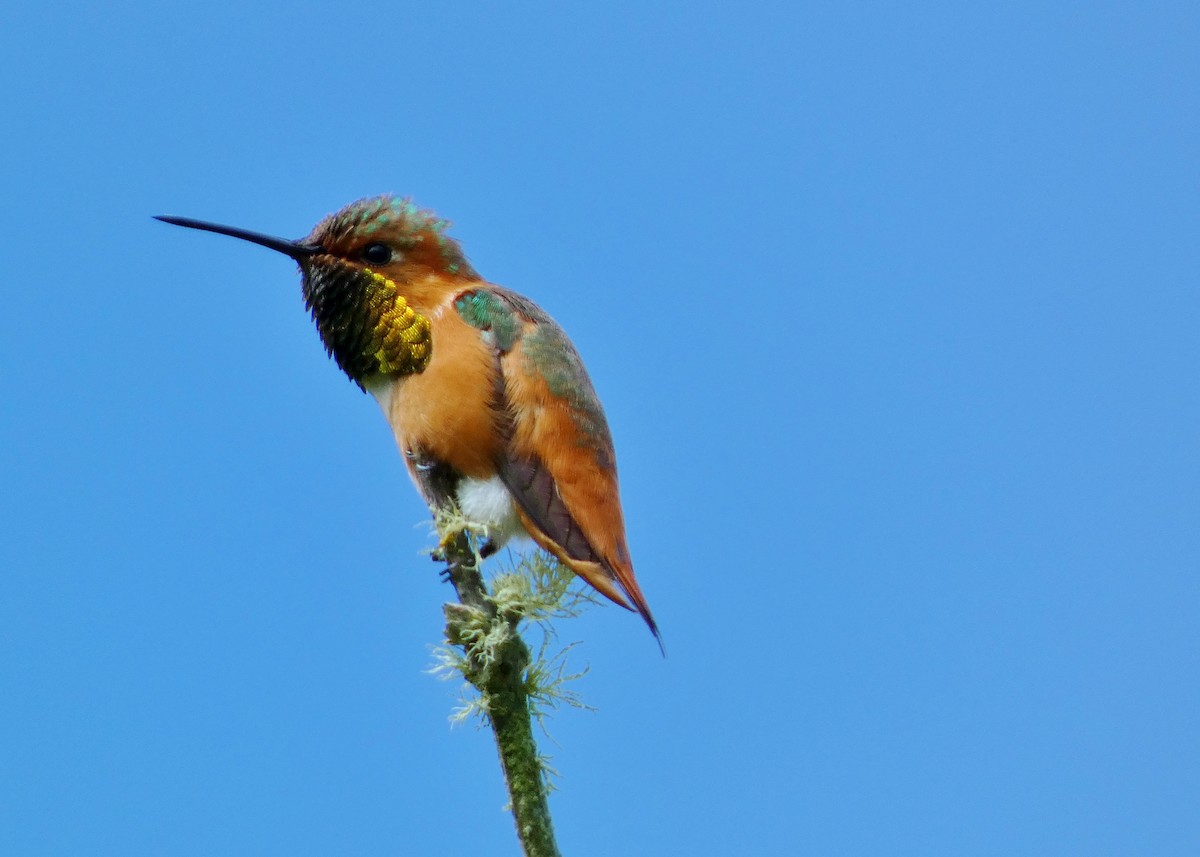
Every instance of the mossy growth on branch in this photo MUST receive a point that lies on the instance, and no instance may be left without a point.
(506, 686)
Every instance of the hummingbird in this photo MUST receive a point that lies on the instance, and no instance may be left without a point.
(488, 400)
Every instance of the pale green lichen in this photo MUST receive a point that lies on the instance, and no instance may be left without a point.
(506, 686)
(537, 589)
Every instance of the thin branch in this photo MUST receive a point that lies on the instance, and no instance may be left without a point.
(496, 662)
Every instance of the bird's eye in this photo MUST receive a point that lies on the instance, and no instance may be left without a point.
(377, 254)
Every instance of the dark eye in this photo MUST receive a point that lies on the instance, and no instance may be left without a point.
(377, 254)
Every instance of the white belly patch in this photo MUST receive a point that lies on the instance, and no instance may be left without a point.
(487, 502)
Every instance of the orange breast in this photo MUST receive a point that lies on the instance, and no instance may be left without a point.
(447, 410)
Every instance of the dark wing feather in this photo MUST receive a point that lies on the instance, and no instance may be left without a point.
(533, 487)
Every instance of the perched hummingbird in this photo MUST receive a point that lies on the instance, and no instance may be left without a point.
(487, 398)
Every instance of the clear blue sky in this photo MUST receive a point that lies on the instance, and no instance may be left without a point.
(893, 308)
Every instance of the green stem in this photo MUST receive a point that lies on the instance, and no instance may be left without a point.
(496, 663)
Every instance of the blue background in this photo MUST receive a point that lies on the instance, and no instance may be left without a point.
(894, 312)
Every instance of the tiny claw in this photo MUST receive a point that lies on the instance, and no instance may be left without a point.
(489, 548)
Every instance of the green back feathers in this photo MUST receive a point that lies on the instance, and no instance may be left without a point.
(546, 352)
(485, 310)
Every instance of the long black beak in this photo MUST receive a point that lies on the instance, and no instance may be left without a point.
(294, 249)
